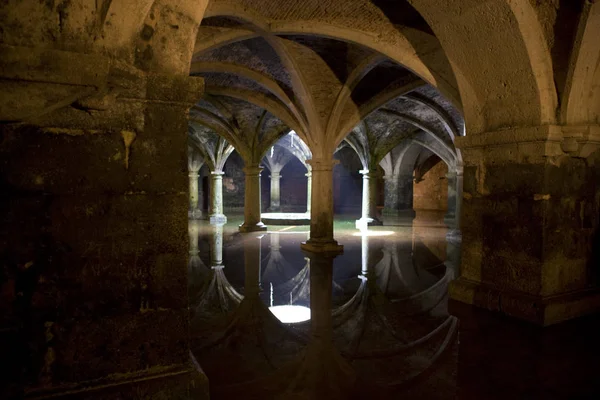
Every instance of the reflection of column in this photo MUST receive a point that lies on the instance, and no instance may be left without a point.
(321, 217)
(274, 245)
(216, 250)
(323, 374)
(308, 190)
(369, 202)
(216, 198)
(252, 264)
(364, 254)
(252, 220)
(275, 192)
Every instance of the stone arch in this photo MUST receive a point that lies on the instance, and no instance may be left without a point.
(581, 103)
(400, 50)
(513, 88)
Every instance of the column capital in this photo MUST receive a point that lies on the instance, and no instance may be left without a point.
(367, 173)
(253, 169)
(530, 145)
(217, 173)
(322, 164)
(392, 177)
(193, 174)
(275, 175)
(308, 174)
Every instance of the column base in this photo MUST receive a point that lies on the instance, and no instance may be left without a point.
(245, 228)
(322, 246)
(540, 310)
(217, 219)
(363, 223)
(195, 214)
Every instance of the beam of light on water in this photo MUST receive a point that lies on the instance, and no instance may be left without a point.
(289, 314)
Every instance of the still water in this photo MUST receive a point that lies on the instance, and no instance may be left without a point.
(270, 321)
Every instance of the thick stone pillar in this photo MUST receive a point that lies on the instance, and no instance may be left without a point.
(216, 215)
(321, 217)
(398, 193)
(275, 205)
(308, 190)
(94, 227)
(369, 201)
(529, 216)
(252, 220)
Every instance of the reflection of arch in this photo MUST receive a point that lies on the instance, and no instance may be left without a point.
(217, 298)
(375, 326)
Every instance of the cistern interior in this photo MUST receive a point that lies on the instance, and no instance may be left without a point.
(303, 199)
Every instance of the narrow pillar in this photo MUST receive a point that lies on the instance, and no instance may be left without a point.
(369, 203)
(194, 212)
(216, 198)
(194, 165)
(252, 220)
(308, 190)
(275, 205)
(321, 217)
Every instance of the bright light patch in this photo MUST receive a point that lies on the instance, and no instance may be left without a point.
(373, 233)
(291, 314)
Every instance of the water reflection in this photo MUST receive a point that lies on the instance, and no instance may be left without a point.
(270, 321)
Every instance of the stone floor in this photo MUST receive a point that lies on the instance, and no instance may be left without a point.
(270, 321)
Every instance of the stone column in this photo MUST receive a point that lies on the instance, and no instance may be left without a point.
(194, 165)
(450, 217)
(321, 217)
(308, 190)
(369, 202)
(527, 224)
(399, 196)
(194, 212)
(252, 220)
(391, 201)
(275, 205)
(216, 198)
